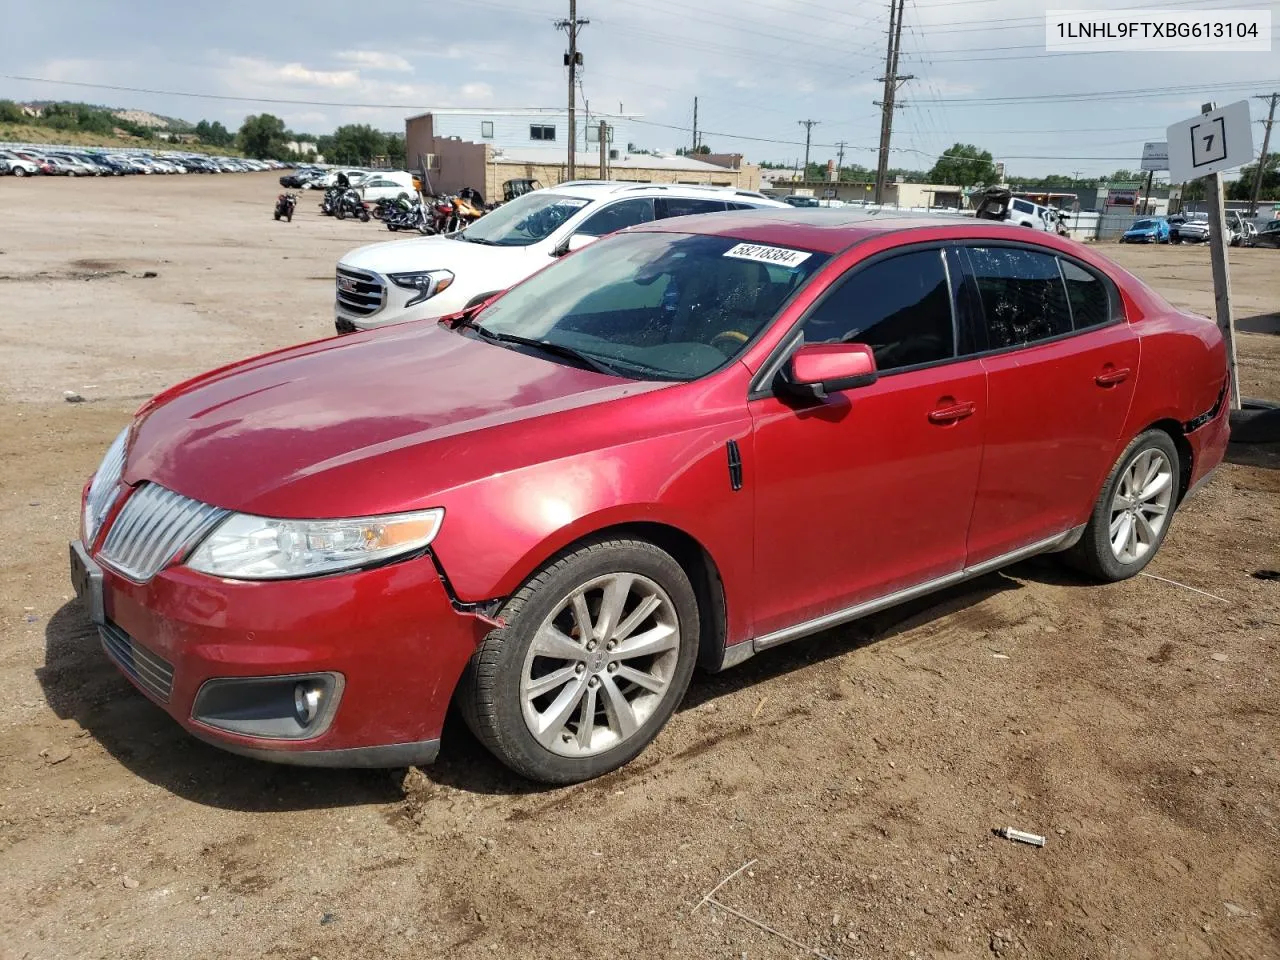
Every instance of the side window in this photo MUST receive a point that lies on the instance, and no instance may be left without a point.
(900, 307)
(1022, 293)
(486, 129)
(1089, 296)
(617, 216)
(682, 207)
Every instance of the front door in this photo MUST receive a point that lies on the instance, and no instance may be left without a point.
(1061, 365)
(871, 490)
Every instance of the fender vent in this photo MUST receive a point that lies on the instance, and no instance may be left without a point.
(735, 465)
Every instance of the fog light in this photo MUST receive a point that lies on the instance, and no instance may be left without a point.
(306, 701)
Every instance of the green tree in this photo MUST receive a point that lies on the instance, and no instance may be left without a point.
(1126, 176)
(964, 165)
(396, 149)
(262, 136)
(214, 133)
(1242, 189)
(10, 112)
(356, 143)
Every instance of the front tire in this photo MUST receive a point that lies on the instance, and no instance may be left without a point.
(596, 653)
(1133, 512)
(19, 172)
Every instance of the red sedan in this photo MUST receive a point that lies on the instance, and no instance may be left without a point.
(682, 445)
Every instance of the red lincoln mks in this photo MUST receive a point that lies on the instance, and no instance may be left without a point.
(682, 445)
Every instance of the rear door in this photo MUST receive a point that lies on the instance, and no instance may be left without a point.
(1061, 364)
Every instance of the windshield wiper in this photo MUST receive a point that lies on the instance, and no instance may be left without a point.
(546, 346)
(487, 243)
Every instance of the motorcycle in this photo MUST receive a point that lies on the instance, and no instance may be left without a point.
(329, 202)
(349, 203)
(285, 204)
(452, 213)
(405, 214)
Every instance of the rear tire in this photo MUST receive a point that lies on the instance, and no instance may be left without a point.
(1133, 512)
(340, 213)
(19, 172)
(615, 623)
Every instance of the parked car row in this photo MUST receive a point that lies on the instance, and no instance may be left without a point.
(20, 160)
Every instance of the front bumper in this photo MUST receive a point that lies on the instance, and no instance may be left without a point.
(391, 634)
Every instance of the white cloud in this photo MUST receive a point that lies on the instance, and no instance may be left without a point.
(264, 73)
(376, 60)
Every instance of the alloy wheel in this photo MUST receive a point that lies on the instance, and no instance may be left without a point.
(1140, 506)
(600, 665)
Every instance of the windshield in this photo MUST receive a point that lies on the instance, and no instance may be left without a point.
(649, 306)
(1143, 224)
(524, 220)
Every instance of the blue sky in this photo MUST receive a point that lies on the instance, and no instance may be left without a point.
(757, 66)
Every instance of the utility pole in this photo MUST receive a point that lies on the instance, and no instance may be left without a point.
(695, 126)
(572, 60)
(891, 82)
(1262, 158)
(604, 150)
(840, 145)
(808, 133)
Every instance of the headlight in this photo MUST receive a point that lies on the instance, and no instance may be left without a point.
(245, 547)
(102, 490)
(427, 282)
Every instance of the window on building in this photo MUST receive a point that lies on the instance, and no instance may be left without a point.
(542, 131)
(900, 307)
(1023, 295)
(486, 129)
(593, 133)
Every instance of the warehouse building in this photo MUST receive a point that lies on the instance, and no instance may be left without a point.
(486, 148)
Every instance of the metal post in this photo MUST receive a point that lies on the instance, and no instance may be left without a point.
(695, 127)
(1222, 279)
(604, 150)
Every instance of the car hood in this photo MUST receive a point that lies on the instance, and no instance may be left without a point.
(358, 425)
(435, 253)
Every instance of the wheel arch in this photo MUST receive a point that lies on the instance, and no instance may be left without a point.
(1186, 456)
(692, 555)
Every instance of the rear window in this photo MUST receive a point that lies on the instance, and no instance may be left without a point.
(1023, 296)
(1088, 295)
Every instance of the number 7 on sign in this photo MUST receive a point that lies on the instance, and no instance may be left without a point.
(1208, 143)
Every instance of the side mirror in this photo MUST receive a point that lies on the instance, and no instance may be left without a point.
(575, 241)
(821, 368)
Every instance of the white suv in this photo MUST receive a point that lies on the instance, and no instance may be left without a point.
(1024, 213)
(435, 276)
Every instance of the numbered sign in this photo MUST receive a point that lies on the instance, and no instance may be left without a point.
(1211, 142)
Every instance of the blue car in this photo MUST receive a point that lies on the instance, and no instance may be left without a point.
(1149, 230)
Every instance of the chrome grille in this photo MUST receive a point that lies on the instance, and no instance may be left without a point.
(152, 527)
(154, 674)
(365, 294)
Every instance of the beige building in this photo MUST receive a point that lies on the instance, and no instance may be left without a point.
(896, 194)
(453, 163)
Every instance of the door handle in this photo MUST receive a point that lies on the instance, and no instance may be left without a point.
(1109, 378)
(952, 412)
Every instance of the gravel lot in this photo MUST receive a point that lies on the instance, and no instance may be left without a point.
(862, 770)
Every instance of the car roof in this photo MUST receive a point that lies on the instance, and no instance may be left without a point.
(835, 229)
(601, 189)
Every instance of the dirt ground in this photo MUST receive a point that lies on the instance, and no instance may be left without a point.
(861, 772)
